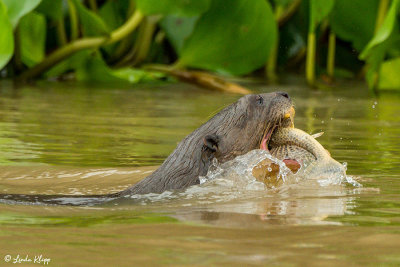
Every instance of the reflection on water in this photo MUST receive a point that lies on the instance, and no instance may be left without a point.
(231, 189)
(81, 140)
(228, 190)
(99, 126)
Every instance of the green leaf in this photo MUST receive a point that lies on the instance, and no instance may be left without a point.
(71, 63)
(318, 11)
(394, 50)
(89, 66)
(384, 31)
(95, 69)
(375, 51)
(173, 7)
(6, 36)
(178, 29)
(112, 13)
(51, 8)
(91, 23)
(32, 36)
(235, 38)
(356, 27)
(283, 3)
(18, 8)
(389, 74)
(137, 75)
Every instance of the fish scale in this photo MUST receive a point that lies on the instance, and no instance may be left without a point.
(293, 152)
(293, 143)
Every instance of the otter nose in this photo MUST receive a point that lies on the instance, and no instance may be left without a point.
(284, 94)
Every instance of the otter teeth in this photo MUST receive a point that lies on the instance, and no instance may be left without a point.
(267, 136)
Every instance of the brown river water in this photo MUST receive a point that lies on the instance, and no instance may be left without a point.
(95, 139)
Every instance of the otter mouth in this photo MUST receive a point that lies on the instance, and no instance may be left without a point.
(287, 120)
(267, 137)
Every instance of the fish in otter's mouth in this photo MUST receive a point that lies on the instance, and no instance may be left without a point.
(286, 121)
(287, 143)
(297, 148)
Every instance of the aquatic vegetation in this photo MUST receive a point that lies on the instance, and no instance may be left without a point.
(120, 41)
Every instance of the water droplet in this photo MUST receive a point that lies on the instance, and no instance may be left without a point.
(345, 165)
(269, 169)
(202, 179)
(215, 162)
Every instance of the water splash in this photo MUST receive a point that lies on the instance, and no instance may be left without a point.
(242, 166)
(234, 180)
(351, 181)
(345, 165)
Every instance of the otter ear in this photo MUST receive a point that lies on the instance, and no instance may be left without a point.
(211, 142)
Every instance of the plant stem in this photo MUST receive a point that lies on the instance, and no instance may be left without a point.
(93, 5)
(143, 42)
(310, 60)
(61, 35)
(126, 43)
(382, 10)
(144, 48)
(83, 43)
(179, 64)
(380, 17)
(292, 8)
(73, 16)
(271, 63)
(273, 57)
(331, 54)
(126, 28)
(17, 51)
(129, 57)
(201, 78)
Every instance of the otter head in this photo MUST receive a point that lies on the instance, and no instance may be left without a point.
(245, 125)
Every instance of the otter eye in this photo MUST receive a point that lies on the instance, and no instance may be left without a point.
(259, 100)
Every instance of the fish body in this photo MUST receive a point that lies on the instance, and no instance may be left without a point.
(314, 159)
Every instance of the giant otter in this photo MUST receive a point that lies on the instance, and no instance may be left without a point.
(243, 126)
(234, 131)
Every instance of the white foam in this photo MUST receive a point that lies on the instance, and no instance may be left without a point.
(234, 180)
